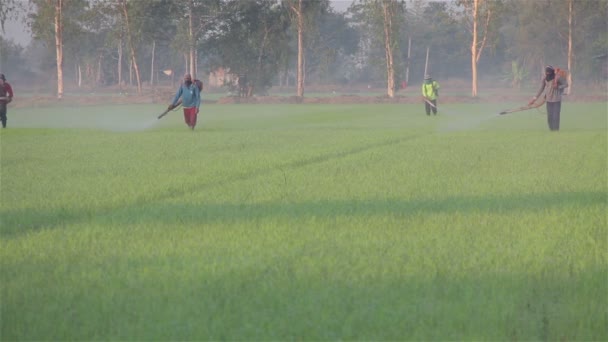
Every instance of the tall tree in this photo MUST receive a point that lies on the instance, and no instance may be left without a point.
(478, 14)
(328, 42)
(194, 18)
(298, 11)
(382, 20)
(125, 11)
(249, 39)
(388, 11)
(9, 10)
(303, 14)
(65, 16)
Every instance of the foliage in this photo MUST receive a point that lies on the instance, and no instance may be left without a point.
(368, 17)
(249, 39)
(339, 47)
(515, 75)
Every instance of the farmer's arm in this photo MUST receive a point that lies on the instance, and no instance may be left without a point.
(540, 91)
(562, 83)
(9, 92)
(177, 96)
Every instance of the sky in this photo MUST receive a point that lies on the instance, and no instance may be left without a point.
(18, 32)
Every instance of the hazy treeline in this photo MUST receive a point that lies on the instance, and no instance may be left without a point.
(110, 42)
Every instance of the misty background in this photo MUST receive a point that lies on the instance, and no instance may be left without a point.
(343, 43)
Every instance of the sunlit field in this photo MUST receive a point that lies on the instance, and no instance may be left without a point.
(304, 222)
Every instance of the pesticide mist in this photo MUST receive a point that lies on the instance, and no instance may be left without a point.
(124, 118)
(458, 119)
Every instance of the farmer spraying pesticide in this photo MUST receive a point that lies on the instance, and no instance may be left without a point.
(190, 94)
(553, 84)
(6, 96)
(430, 92)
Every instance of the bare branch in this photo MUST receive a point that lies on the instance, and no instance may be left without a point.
(485, 35)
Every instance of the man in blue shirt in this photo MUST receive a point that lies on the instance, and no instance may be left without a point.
(191, 100)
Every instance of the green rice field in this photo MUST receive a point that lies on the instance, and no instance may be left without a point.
(304, 222)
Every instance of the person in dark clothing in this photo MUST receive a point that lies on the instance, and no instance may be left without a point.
(242, 85)
(430, 92)
(6, 96)
(553, 85)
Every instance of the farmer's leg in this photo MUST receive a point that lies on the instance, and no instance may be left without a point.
(190, 116)
(434, 108)
(558, 109)
(427, 108)
(550, 115)
(3, 114)
(193, 117)
(186, 117)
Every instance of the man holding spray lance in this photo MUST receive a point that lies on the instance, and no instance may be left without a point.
(188, 95)
(553, 85)
(430, 92)
(6, 96)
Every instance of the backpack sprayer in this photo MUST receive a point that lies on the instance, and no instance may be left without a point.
(170, 108)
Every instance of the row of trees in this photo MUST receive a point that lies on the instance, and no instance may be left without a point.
(282, 42)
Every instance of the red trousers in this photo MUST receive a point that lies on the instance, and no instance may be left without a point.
(190, 116)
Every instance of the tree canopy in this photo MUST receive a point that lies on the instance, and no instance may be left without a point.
(259, 38)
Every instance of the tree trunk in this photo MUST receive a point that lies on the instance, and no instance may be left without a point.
(474, 51)
(98, 77)
(120, 63)
(407, 68)
(59, 45)
(152, 64)
(130, 40)
(569, 77)
(258, 69)
(300, 23)
(186, 63)
(191, 39)
(79, 76)
(388, 48)
(426, 61)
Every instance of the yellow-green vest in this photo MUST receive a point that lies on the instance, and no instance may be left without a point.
(429, 90)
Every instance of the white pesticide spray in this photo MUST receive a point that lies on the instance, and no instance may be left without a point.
(134, 126)
(458, 121)
(128, 118)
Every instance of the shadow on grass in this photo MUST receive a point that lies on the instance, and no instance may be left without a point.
(287, 299)
(20, 222)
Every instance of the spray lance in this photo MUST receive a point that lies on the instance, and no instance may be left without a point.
(170, 108)
(531, 105)
(428, 101)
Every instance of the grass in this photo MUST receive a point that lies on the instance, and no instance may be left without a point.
(304, 222)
